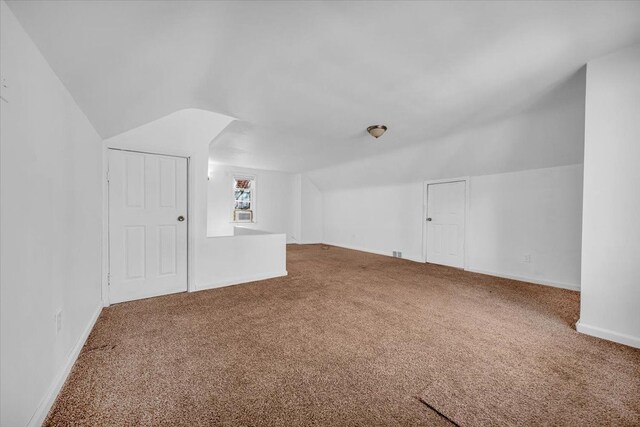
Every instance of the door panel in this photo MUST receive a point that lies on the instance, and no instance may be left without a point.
(167, 182)
(147, 243)
(167, 249)
(134, 181)
(134, 251)
(445, 229)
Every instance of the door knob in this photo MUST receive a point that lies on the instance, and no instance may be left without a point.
(180, 218)
(428, 219)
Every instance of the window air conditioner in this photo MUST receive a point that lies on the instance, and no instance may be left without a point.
(243, 216)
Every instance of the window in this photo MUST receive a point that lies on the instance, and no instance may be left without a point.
(244, 199)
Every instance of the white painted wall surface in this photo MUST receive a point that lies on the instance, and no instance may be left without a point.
(296, 222)
(536, 212)
(242, 258)
(274, 200)
(610, 303)
(245, 231)
(376, 219)
(50, 223)
(311, 211)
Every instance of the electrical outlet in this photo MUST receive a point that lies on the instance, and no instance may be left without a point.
(526, 258)
(399, 254)
(58, 319)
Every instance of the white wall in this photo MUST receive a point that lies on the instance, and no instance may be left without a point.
(244, 231)
(536, 213)
(308, 215)
(311, 211)
(610, 303)
(274, 201)
(376, 219)
(296, 222)
(50, 225)
(241, 258)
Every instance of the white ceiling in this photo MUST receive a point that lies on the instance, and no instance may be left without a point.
(305, 79)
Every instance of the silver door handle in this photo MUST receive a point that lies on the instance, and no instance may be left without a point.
(180, 218)
(428, 219)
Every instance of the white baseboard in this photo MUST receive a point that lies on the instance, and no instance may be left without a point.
(607, 334)
(50, 397)
(552, 283)
(361, 249)
(240, 280)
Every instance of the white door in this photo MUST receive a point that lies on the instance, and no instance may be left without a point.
(147, 225)
(445, 223)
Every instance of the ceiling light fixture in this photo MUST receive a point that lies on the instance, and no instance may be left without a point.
(376, 131)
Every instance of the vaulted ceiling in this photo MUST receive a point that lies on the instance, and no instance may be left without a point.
(305, 79)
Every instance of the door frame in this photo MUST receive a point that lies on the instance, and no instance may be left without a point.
(106, 302)
(425, 193)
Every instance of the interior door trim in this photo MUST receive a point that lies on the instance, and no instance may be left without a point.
(105, 220)
(425, 194)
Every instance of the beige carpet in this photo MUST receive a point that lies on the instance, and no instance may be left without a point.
(350, 338)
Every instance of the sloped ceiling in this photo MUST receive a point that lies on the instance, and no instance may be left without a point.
(548, 133)
(305, 79)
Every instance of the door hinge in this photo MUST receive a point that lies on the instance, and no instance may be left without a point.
(108, 279)
(108, 177)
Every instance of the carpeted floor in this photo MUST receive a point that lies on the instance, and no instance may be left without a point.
(350, 338)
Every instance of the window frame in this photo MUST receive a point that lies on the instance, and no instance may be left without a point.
(254, 198)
